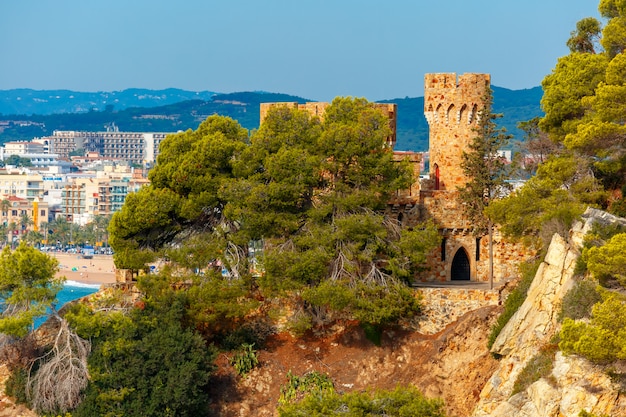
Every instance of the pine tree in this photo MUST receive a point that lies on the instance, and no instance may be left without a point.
(485, 167)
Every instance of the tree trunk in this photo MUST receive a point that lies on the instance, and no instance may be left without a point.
(490, 255)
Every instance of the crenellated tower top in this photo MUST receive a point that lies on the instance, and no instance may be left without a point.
(451, 106)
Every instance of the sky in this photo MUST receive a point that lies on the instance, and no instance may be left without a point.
(315, 49)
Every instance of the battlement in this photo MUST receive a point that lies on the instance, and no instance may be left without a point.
(438, 82)
(451, 106)
(448, 98)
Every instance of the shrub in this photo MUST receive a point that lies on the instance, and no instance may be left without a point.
(602, 340)
(515, 299)
(584, 413)
(372, 333)
(300, 323)
(252, 332)
(608, 261)
(298, 387)
(400, 402)
(149, 365)
(245, 360)
(16, 385)
(540, 366)
(579, 300)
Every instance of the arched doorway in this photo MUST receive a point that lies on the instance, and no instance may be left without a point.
(460, 266)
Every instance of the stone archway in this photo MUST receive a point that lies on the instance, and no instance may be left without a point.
(460, 270)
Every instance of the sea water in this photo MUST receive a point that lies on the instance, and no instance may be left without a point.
(72, 290)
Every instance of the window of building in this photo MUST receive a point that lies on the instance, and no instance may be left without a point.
(443, 249)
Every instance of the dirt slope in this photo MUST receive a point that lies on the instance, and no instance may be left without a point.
(453, 364)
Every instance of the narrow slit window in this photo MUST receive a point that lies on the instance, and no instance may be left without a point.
(478, 249)
(443, 249)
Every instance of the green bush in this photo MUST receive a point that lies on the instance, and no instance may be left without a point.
(298, 387)
(372, 333)
(603, 339)
(148, 365)
(540, 366)
(515, 299)
(579, 300)
(300, 323)
(400, 402)
(584, 413)
(608, 262)
(16, 385)
(252, 332)
(245, 360)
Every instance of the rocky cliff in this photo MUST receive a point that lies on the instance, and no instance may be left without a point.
(574, 384)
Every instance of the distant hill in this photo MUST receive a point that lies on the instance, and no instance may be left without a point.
(412, 129)
(44, 102)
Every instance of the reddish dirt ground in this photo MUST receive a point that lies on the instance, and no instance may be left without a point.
(453, 364)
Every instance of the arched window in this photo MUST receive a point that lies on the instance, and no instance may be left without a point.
(451, 115)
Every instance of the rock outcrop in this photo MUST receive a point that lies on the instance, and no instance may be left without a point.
(574, 383)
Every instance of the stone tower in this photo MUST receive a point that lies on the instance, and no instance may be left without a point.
(451, 108)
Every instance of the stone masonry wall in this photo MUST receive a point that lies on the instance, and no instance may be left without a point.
(443, 306)
(507, 258)
(451, 108)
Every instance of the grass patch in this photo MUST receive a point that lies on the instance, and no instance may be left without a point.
(540, 366)
(515, 299)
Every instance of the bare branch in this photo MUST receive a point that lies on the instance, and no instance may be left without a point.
(59, 381)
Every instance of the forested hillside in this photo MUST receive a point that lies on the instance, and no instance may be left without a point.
(412, 130)
(45, 102)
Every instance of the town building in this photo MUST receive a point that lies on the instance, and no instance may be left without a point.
(20, 215)
(132, 147)
(20, 148)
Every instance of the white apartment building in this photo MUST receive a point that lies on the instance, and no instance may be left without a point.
(22, 184)
(20, 148)
(132, 147)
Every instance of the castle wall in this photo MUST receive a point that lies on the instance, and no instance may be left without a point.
(443, 306)
(507, 256)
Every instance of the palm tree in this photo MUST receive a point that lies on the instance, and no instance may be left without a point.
(5, 205)
(101, 224)
(12, 228)
(43, 226)
(4, 230)
(25, 221)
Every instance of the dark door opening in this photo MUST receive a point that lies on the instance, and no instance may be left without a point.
(460, 266)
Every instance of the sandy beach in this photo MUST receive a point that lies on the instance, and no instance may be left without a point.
(99, 270)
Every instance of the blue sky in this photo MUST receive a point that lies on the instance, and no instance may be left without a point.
(316, 49)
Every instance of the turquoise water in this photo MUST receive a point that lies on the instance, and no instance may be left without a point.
(71, 291)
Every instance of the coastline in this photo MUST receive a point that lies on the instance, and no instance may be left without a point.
(99, 270)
